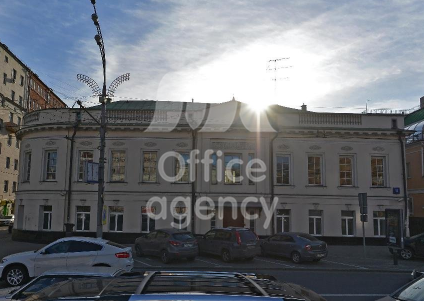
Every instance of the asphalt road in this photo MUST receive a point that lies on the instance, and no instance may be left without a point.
(342, 276)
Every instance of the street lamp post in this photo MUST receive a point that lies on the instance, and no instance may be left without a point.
(103, 95)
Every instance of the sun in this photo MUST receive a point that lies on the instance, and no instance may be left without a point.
(258, 107)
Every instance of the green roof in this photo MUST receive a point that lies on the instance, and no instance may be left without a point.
(414, 117)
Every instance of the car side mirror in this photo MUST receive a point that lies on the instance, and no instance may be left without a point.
(44, 252)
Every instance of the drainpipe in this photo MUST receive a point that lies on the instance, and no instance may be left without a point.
(193, 183)
(271, 169)
(68, 225)
(405, 191)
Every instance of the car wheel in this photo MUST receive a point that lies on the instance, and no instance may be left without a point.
(164, 256)
(295, 257)
(225, 255)
(191, 258)
(250, 258)
(406, 254)
(316, 259)
(16, 275)
(138, 251)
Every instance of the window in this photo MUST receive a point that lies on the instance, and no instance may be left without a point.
(379, 220)
(51, 160)
(9, 140)
(84, 156)
(283, 220)
(12, 95)
(314, 170)
(6, 59)
(47, 217)
(61, 247)
(315, 222)
(346, 170)
(6, 186)
(252, 221)
(10, 117)
(378, 171)
(147, 224)
(283, 170)
(21, 100)
(118, 166)
(84, 246)
(116, 218)
(22, 81)
(250, 157)
(149, 166)
(14, 75)
(83, 218)
(4, 78)
(233, 172)
(185, 168)
(213, 218)
(7, 162)
(180, 221)
(348, 218)
(19, 121)
(27, 167)
(0, 147)
(16, 143)
(214, 175)
(15, 164)
(14, 186)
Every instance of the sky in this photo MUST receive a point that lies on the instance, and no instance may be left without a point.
(334, 56)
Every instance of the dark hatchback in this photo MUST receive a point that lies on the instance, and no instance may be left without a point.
(230, 243)
(294, 245)
(413, 246)
(168, 244)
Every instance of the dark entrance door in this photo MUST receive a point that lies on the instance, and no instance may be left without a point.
(228, 220)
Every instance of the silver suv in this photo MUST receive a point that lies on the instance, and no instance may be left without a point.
(230, 243)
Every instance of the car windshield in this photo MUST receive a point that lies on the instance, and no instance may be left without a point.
(38, 285)
(417, 236)
(307, 237)
(183, 236)
(114, 244)
(414, 292)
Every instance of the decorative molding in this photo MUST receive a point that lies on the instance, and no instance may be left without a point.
(182, 144)
(27, 145)
(50, 143)
(233, 145)
(315, 147)
(86, 143)
(378, 149)
(346, 148)
(283, 147)
(150, 144)
(118, 143)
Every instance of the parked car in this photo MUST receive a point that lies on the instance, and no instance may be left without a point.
(58, 275)
(6, 220)
(169, 244)
(294, 245)
(413, 246)
(230, 243)
(412, 291)
(176, 285)
(16, 269)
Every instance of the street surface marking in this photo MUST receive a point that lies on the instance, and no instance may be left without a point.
(197, 259)
(143, 263)
(350, 265)
(286, 265)
(353, 295)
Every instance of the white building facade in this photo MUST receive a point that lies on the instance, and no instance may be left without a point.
(315, 164)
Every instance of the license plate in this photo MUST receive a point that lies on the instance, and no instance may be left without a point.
(321, 255)
(188, 245)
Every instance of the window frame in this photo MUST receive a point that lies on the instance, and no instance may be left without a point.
(145, 215)
(283, 216)
(282, 174)
(27, 167)
(321, 156)
(83, 214)
(6, 186)
(111, 165)
(45, 163)
(181, 218)
(186, 167)
(81, 168)
(353, 170)
(345, 219)
(385, 171)
(315, 217)
(116, 214)
(49, 219)
(143, 152)
(240, 157)
(380, 219)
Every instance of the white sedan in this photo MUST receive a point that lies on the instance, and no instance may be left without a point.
(65, 253)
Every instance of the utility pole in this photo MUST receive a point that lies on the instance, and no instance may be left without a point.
(103, 98)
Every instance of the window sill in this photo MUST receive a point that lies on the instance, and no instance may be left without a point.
(148, 182)
(380, 187)
(116, 182)
(347, 187)
(230, 184)
(48, 181)
(284, 185)
(318, 186)
(181, 183)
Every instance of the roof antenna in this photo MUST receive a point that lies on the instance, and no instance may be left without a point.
(192, 100)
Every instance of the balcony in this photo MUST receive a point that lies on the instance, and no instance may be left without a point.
(330, 119)
(11, 127)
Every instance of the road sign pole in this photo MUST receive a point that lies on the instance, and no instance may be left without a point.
(363, 237)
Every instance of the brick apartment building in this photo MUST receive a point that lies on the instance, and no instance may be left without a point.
(41, 96)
